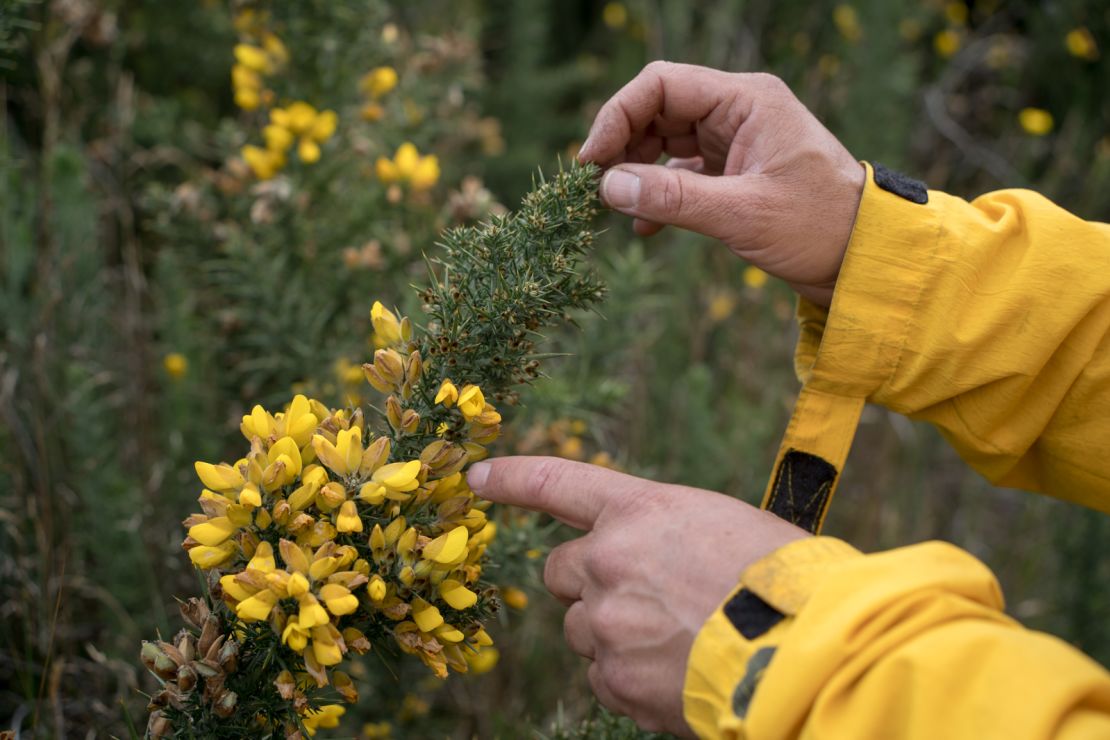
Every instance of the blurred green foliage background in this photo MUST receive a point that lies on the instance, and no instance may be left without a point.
(153, 288)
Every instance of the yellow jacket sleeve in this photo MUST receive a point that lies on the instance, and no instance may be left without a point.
(989, 319)
(908, 644)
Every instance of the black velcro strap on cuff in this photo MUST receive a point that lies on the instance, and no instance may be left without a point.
(803, 485)
(901, 185)
(751, 615)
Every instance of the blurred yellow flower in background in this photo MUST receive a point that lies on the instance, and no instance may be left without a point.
(956, 13)
(754, 277)
(378, 81)
(420, 172)
(514, 597)
(1035, 121)
(847, 23)
(1081, 43)
(175, 365)
(946, 43)
(615, 15)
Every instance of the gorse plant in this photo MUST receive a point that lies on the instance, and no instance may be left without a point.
(348, 530)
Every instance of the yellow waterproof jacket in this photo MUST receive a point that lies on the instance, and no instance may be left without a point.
(991, 320)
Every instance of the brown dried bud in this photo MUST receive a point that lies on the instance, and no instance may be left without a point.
(195, 612)
(224, 705)
(208, 634)
(157, 725)
(228, 657)
(186, 678)
(185, 645)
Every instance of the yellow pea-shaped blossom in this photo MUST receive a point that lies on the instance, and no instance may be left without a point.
(338, 599)
(263, 559)
(348, 519)
(447, 548)
(213, 532)
(482, 661)
(295, 636)
(257, 607)
(343, 457)
(205, 557)
(376, 588)
(386, 324)
(457, 595)
(219, 478)
(293, 556)
(448, 394)
(426, 616)
(471, 401)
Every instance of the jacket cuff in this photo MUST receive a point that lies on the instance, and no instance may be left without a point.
(736, 644)
(853, 347)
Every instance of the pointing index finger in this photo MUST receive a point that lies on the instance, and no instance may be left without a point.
(575, 493)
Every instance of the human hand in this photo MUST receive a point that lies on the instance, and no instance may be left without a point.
(751, 167)
(656, 561)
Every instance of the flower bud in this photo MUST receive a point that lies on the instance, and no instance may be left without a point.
(410, 420)
(390, 366)
(393, 412)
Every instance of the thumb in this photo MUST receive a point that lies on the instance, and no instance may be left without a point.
(710, 205)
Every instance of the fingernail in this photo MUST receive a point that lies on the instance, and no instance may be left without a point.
(477, 476)
(620, 189)
(582, 150)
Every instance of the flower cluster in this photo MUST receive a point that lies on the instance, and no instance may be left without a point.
(409, 167)
(337, 533)
(375, 84)
(262, 54)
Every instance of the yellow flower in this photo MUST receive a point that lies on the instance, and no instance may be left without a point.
(175, 365)
(471, 402)
(721, 306)
(377, 731)
(394, 481)
(220, 477)
(265, 163)
(1035, 121)
(253, 58)
(376, 589)
(456, 594)
(483, 660)
(1081, 44)
(447, 548)
(387, 327)
(614, 15)
(378, 81)
(754, 277)
(846, 20)
(343, 457)
(372, 112)
(348, 519)
(212, 557)
(278, 138)
(448, 394)
(956, 13)
(946, 43)
(514, 597)
(326, 717)
(408, 166)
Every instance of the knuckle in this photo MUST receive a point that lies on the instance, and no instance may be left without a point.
(658, 67)
(607, 561)
(608, 622)
(672, 193)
